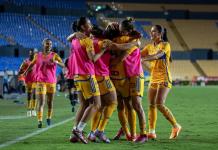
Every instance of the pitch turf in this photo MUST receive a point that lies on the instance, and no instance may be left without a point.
(195, 108)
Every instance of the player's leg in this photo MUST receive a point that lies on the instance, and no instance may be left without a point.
(160, 102)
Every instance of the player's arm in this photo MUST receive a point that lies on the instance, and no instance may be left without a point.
(57, 59)
(159, 55)
(77, 35)
(124, 46)
(90, 50)
(22, 68)
(31, 65)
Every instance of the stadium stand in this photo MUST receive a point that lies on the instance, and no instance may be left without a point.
(63, 4)
(10, 63)
(209, 67)
(199, 33)
(19, 29)
(183, 70)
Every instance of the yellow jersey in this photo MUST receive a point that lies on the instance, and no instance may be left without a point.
(160, 68)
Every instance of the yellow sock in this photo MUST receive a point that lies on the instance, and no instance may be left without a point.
(152, 117)
(49, 114)
(167, 114)
(95, 121)
(33, 106)
(108, 111)
(39, 115)
(132, 121)
(123, 121)
(29, 104)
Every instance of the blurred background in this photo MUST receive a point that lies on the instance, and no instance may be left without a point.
(192, 31)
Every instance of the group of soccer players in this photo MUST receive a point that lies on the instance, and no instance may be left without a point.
(104, 71)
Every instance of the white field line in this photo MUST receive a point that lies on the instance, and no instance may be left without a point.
(12, 117)
(34, 133)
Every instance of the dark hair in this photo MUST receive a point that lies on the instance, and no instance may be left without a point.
(80, 22)
(163, 32)
(127, 24)
(74, 26)
(46, 39)
(112, 31)
(97, 32)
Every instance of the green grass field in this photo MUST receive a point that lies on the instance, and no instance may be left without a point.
(195, 108)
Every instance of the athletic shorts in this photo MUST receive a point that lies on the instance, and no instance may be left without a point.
(87, 85)
(160, 85)
(136, 85)
(44, 88)
(122, 87)
(105, 84)
(30, 87)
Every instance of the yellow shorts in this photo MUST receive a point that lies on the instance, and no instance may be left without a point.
(122, 87)
(88, 85)
(43, 88)
(105, 84)
(160, 85)
(137, 85)
(30, 87)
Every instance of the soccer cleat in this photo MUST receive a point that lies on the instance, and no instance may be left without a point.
(28, 113)
(175, 132)
(141, 138)
(152, 136)
(92, 137)
(74, 139)
(79, 135)
(33, 113)
(48, 122)
(40, 124)
(101, 136)
(119, 134)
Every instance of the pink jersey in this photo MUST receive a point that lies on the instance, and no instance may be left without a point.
(32, 74)
(46, 70)
(132, 64)
(81, 64)
(102, 64)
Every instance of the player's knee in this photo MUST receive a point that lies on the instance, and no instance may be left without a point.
(160, 107)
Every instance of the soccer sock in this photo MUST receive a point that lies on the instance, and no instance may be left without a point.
(167, 114)
(152, 118)
(49, 114)
(123, 121)
(81, 126)
(95, 121)
(39, 115)
(108, 111)
(132, 121)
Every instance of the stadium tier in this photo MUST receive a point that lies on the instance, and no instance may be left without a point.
(10, 63)
(199, 33)
(183, 70)
(210, 67)
(19, 29)
(64, 4)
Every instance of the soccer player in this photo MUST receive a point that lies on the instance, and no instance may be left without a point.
(30, 82)
(159, 54)
(45, 63)
(84, 78)
(134, 73)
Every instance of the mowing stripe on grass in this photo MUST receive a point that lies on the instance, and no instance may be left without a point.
(34, 133)
(12, 117)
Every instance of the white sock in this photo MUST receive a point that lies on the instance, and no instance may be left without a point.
(152, 131)
(81, 126)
